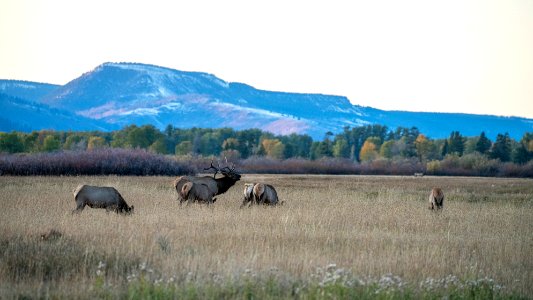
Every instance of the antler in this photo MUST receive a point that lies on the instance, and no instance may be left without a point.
(213, 167)
(230, 169)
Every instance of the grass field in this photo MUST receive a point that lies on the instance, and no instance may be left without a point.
(335, 237)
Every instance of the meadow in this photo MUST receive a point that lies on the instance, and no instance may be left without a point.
(337, 236)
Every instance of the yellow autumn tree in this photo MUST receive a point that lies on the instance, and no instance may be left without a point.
(423, 147)
(368, 151)
(274, 148)
(95, 142)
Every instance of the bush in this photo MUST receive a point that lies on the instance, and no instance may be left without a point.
(95, 162)
(476, 164)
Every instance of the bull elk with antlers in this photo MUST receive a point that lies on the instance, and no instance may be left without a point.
(215, 186)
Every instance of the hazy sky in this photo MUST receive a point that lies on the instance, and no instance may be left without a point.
(446, 56)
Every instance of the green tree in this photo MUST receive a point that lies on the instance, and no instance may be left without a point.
(142, 137)
(341, 148)
(386, 149)
(11, 142)
(501, 149)
(75, 142)
(456, 143)
(521, 155)
(169, 130)
(297, 145)
(230, 144)
(445, 148)
(159, 146)
(321, 149)
(483, 144)
(51, 143)
(184, 148)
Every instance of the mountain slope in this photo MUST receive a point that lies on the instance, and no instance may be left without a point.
(21, 115)
(31, 91)
(119, 94)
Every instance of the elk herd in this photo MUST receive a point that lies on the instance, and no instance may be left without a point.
(201, 189)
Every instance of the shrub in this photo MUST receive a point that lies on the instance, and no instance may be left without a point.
(95, 162)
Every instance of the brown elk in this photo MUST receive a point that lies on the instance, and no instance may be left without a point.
(436, 199)
(260, 193)
(215, 185)
(265, 194)
(100, 197)
(248, 193)
(196, 192)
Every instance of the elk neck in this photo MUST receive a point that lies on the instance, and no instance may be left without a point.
(225, 183)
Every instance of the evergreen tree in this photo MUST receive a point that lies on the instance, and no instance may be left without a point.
(457, 143)
(501, 149)
(524, 152)
(483, 144)
(445, 148)
(169, 130)
(521, 155)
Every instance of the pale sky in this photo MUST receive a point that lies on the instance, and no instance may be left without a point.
(442, 56)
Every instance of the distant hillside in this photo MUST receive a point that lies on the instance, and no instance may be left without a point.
(31, 91)
(22, 115)
(119, 94)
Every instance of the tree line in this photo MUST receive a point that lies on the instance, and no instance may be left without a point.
(360, 144)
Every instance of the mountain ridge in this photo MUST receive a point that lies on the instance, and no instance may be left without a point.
(120, 94)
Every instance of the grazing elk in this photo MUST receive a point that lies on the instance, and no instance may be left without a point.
(265, 194)
(100, 197)
(436, 199)
(248, 193)
(215, 185)
(196, 192)
(260, 193)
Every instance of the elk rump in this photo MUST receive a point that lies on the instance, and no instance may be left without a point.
(100, 197)
(248, 193)
(260, 193)
(196, 192)
(265, 194)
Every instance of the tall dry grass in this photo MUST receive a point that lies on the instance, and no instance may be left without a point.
(368, 226)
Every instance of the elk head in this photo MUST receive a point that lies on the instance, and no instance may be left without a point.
(229, 179)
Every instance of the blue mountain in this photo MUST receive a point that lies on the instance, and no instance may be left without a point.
(23, 115)
(119, 94)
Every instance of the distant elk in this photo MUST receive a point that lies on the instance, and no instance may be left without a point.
(215, 186)
(100, 197)
(260, 193)
(436, 199)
